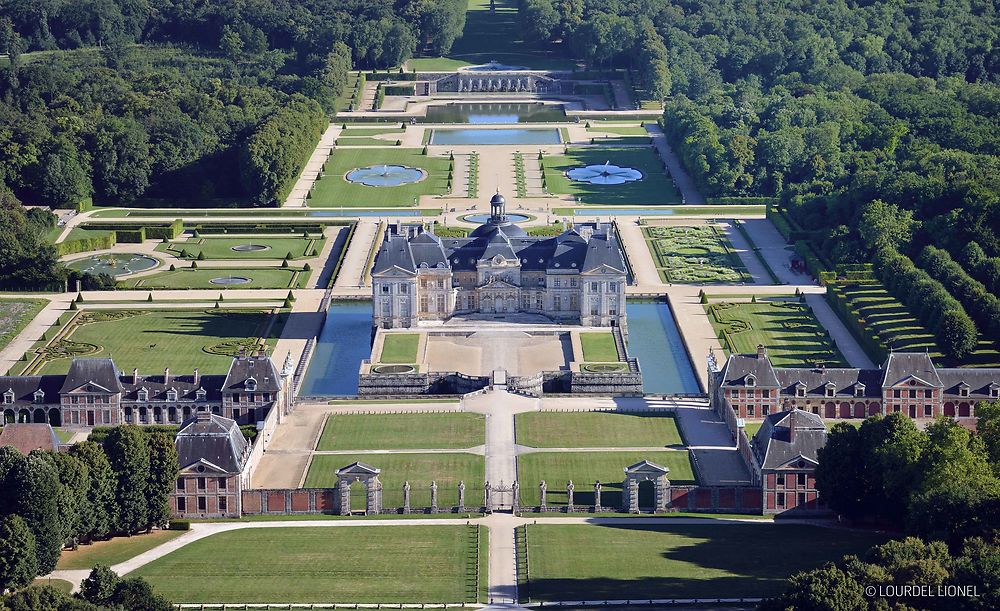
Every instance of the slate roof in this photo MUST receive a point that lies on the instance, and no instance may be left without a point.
(187, 389)
(901, 365)
(739, 366)
(100, 372)
(258, 367)
(211, 439)
(26, 437)
(846, 381)
(24, 388)
(775, 445)
(978, 380)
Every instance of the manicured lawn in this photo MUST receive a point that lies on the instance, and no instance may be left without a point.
(59, 584)
(321, 564)
(621, 130)
(334, 191)
(115, 550)
(399, 348)
(15, 314)
(402, 431)
(694, 255)
(584, 468)
(596, 429)
(78, 233)
(152, 340)
(222, 248)
(201, 278)
(655, 187)
(418, 469)
(362, 141)
(789, 330)
(364, 130)
(436, 64)
(598, 348)
(712, 211)
(574, 562)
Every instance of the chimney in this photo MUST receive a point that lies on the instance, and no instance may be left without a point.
(135, 375)
(203, 415)
(197, 377)
(761, 352)
(166, 375)
(791, 426)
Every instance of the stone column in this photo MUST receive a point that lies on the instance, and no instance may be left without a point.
(434, 496)
(515, 500)
(542, 489)
(461, 496)
(597, 496)
(633, 496)
(345, 497)
(371, 490)
(406, 496)
(487, 501)
(569, 495)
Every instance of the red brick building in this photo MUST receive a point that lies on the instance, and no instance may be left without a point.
(783, 458)
(212, 454)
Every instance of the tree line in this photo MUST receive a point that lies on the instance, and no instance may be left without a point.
(102, 590)
(52, 499)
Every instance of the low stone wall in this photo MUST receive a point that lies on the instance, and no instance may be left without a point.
(376, 384)
(624, 383)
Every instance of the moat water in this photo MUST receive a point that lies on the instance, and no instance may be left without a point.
(494, 113)
(342, 344)
(653, 338)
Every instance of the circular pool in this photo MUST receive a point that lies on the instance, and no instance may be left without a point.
(231, 280)
(385, 175)
(250, 247)
(394, 369)
(115, 264)
(483, 218)
(606, 174)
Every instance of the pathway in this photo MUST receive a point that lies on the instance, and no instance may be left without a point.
(352, 272)
(775, 250)
(848, 346)
(689, 192)
(746, 253)
(313, 168)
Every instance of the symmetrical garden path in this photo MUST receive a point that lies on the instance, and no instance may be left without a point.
(313, 168)
(683, 180)
(352, 272)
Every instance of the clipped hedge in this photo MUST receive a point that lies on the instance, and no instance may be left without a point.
(216, 229)
(399, 89)
(171, 231)
(180, 525)
(130, 236)
(70, 247)
(870, 341)
(742, 201)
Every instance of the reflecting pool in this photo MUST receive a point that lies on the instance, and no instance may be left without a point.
(386, 175)
(508, 136)
(342, 344)
(495, 113)
(654, 339)
(120, 264)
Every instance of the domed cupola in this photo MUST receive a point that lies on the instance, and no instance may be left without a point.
(498, 221)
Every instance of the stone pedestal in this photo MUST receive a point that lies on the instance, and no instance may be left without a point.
(406, 497)
(569, 496)
(434, 496)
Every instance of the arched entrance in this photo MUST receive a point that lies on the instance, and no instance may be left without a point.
(830, 411)
(39, 416)
(366, 474)
(8, 416)
(859, 410)
(949, 409)
(23, 415)
(645, 471)
(55, 417)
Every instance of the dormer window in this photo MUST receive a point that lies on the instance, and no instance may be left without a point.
(39, 396)
(751, 380)
(250, 385)
(800, 390)
(831, 389)
(8, 397)
(963, 390)
(200, 394)
(143, 394)
(171, 395)
(859, 390)
(995, 390)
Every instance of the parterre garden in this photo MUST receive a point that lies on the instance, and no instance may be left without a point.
(655, 187)
(151, 340)
(332, 190)
(15, 314)
(203, 276)
(245, 248)
(694, 255)
(787, 328)
(642, 561)
(363, 564)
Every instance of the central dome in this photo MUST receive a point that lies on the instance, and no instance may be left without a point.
(498, 221)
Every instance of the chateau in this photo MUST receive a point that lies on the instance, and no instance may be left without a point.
(907, 382)
(96, 393)
(578, 277)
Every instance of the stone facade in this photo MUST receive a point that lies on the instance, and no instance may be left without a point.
(577, 277)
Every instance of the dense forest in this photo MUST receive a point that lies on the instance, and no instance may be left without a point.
(825, 104)
(186, 102)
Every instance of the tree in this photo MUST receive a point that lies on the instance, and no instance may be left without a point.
(63, 181)
(163, 470)
(839, 475)
(884, 225)
(102, 516)
(34, 486)
(99, 587)
(75, 512)
(18, 565)
(827, 588)
(128, 454)
(135, 594)
(122, 162)
(988, 427)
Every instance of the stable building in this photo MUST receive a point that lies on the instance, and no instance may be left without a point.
(577, 277)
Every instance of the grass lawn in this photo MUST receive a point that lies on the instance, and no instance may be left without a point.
(573, 562)
(789, 330)
(115, 550)
(598, 348)
(362, 141)
(334, 191)
(222, 248)
(152, 340)
(402, 431)
(654, 188)
(682, 210)
(596, 429)
(584, 468)
(59, 584)
(621, 130)
(321, 564)
(694, 255)
(201, 278)
(15, 314)
(366, 130)
(78, 233)
(399, 348)
(418, 469)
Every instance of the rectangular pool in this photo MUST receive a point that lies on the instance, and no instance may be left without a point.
(653, 337)
(508, 136)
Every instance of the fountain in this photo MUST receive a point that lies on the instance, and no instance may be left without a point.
(115, 265)
(231, 280)
(385, 175)
(607, 174)
(250, 247)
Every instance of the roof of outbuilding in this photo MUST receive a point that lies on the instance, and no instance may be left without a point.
(902, 365)
(25, 387)
(259, 367)
(26, 437)
(84, 373)
(776, 444)
(845, 380)
(979, 381)
(739, 366)
(211, 439)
